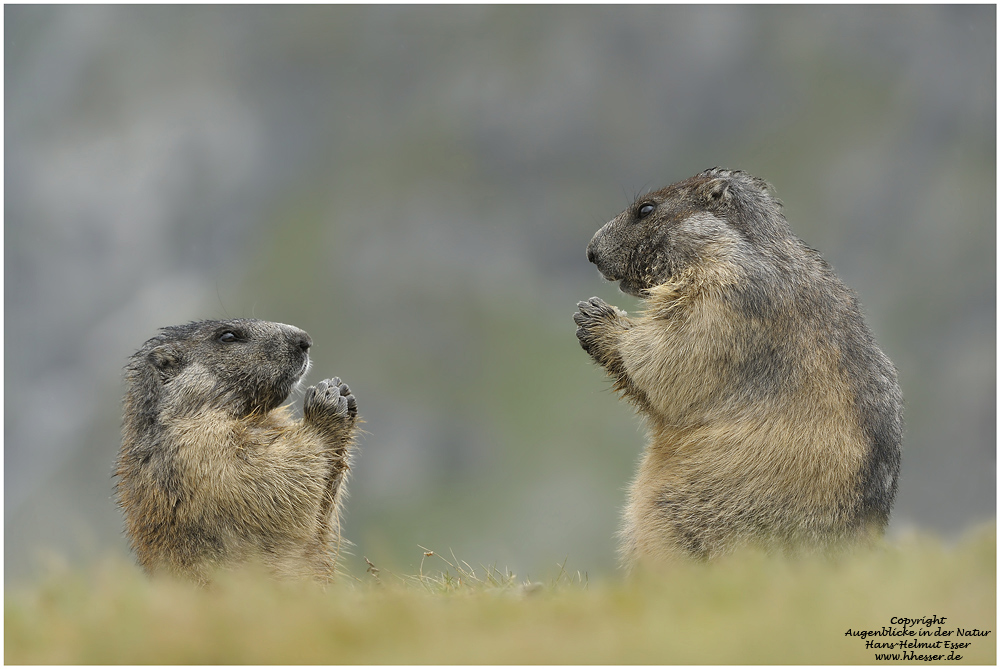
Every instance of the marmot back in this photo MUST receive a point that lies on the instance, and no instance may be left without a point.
(773, 417)
(213, 471)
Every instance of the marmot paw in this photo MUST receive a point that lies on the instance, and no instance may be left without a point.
(591, 314)
(330, 398)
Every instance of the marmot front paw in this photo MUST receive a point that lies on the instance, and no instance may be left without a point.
(330, 399)
(591, 315)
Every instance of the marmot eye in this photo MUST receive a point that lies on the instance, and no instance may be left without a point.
(228, 337)
(646, 209)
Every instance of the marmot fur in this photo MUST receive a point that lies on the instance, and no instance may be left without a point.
(213, 471)
(773, 417)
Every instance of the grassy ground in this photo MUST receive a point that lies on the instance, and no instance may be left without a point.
(746, 609)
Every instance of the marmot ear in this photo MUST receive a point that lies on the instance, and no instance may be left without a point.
(716, 190)
(166, 359)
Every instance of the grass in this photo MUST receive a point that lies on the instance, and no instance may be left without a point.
(746, 609)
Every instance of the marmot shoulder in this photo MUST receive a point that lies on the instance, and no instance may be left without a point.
(773, 417)
(213, 471)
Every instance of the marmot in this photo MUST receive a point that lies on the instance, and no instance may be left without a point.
(213, 471)
(773, 418)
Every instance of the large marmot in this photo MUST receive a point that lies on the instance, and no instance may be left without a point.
(773, 417)
(213, 471)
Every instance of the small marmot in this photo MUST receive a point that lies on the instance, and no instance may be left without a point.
(773, 418)
(213, 471)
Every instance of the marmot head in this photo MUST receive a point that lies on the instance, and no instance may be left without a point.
(716, 216)
(245, 366)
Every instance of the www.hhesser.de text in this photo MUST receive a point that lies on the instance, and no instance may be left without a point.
(914, 649)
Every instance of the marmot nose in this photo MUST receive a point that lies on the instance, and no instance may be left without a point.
(591, 256)
(303, 341)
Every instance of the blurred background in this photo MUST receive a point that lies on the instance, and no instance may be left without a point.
(416, 187)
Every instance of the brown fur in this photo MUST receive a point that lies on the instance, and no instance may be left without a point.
(773, 417)
(213, 472)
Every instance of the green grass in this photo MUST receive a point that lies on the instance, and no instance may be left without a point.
(749, 608)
